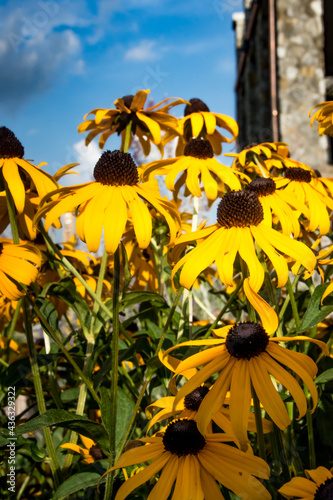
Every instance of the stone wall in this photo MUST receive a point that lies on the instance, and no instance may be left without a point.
(301, 78)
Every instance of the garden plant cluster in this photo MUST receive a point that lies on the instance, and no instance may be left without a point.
(153, 355)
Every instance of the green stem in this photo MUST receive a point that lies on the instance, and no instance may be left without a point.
(11, 214)
(293, 303)
(75, 273)
(259, 428)
(127, 136)
(114, 373)
(262, 171)
(311, 442)
(285, 305)
(64, 351)
(281, 452)
(99, 289)
(149, 375)
(54, 464)
(224, 309)
(82, 399)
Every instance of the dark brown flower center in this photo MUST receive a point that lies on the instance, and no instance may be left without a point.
(96, 453)
(183, 438)
(116, 169)
(325, 491)
(194, 399)
(246, 340)
(10, 146)
(128, 100)
(263, 187)
(199, 148)
(240, 209)
(298, 174)
(195, 106)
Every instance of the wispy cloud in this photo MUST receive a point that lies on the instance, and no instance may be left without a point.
(144, 51)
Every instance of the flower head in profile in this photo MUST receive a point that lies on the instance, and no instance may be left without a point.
(324, 117)
(239, 226)
(277, 206)
(146, 124)
(309, 195)
(193, 463)
(91, 452)
(19, 174)
(260, 158)
(18, 264)
(196, 165)
(246, 355)
(318, 486)
(200, 122)
(107, 202)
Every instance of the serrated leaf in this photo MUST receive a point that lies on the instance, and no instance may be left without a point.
(315, 314)
(324, 377)
(63, 418)
(76, 483)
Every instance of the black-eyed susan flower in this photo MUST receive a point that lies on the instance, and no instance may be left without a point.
(107, 202)
(245, 355)
(142, 263)
(239, 224)
(260, 158)
(146, 124)
(276, 206)
(20, 174)
(324, 117)
(302, 186)
(188, 407)
(198, 122)
(193, 463)
(91, 452)
(18, 264)
(318, 486)
(197, 165)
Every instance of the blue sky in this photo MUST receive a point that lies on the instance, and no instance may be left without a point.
(60, 59)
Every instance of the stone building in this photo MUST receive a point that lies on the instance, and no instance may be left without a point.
(285, 66)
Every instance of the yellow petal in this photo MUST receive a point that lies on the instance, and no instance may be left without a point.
(248, 254)
(153, 127)
(140, 216)
(15, 184)
(115, 220)
(240, 400)
(139, 100)
(197, 122)
(267, 315)
(210, 122)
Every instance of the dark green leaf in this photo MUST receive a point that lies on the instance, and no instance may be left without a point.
(49, 313)
(125, 407)
(315, 314)
(325, 377)
(133, 298)
(76, 483)
(62, 418)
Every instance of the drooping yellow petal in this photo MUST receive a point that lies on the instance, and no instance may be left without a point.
(267, 393)
(268, 316)
(319, 475)
(162, 488)
(210, 185)
(192, 180)
(197, 122)
(153, 127)
(94, 217)
(15, 184)
(227, 253)
(142, 477)
(210, 122)
(209, 486)
(298, 487)
(240, 400)
(140, 216)
(115, 220)
(248, 254)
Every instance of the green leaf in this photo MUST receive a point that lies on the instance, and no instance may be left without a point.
(105, 406)
(133, 298)
(62, 418)
(76, 483)
(324, 377)
(49, 313)
(125, 407)
(315, 314)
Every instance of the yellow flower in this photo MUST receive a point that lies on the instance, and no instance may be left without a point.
(197, 164)
(260, 158)
(319, 486)
(91, 453)
(199, 122)
(107, 203)
(246, 355)
(302, 186)
(276, 203)
(146, 123)
(18, 264)
(20, 174)
(141, 262)
(240, 223)
(194, 463)
(324, 117)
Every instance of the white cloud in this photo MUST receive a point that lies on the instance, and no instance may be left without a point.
(142, 52)
(87, 157)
